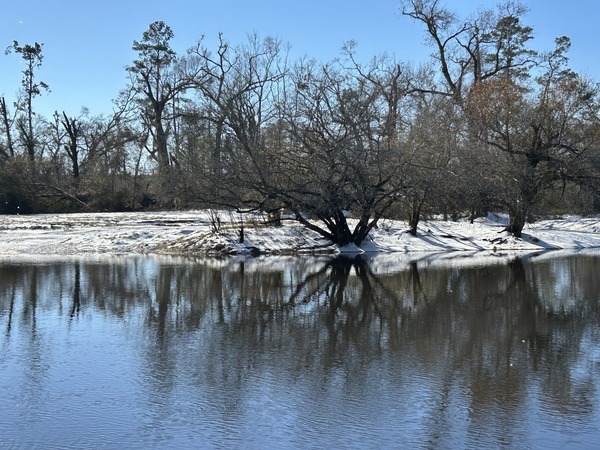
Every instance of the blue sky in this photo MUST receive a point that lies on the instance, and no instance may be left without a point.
(87, 44)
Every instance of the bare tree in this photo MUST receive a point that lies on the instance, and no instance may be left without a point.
(72, 127)
(32, 55)
(490, 44)
(346, 156)
(435, 136)
(542, 131)
(488, 69)
(158, 81)
(239, 88)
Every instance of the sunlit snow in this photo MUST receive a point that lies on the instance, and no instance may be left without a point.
(194, 232)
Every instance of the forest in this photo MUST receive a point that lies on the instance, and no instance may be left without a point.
(488, 124)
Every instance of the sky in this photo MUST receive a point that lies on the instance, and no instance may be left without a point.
(87, 44)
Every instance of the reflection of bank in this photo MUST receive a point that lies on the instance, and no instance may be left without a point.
(76, 306)
(349, 285)
(344, 288)
(486, 332)
(479, 346)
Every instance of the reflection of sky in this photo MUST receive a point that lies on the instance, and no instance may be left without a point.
(562, 292)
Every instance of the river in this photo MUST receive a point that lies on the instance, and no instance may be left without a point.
(292, 352)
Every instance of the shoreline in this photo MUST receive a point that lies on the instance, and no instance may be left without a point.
(191, 233)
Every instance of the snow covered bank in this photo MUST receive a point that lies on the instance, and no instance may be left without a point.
(191, 232)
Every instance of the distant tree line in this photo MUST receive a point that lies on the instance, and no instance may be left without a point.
(488, 125)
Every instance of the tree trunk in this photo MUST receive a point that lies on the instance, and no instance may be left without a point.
(516, 219)
(338, 225)
(30, 143)
(72, 129)
(274, 218)
(364, 227)
(519, 212)
(5, 121)
(75, 163)
(162, 152)
(415, 214)
(337, 230)
(216, 154)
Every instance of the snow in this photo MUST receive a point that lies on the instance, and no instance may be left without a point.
(192, 232)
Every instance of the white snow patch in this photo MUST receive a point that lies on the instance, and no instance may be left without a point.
(350, 249)
(191, 232)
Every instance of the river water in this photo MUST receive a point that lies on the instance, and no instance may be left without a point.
(289, 352)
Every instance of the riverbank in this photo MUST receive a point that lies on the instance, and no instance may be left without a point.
(200, 233)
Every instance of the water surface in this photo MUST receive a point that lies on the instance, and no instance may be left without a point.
(291, 352)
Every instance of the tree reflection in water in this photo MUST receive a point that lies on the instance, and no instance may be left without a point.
(458, 354)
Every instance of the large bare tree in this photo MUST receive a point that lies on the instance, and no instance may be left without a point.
(346, 157)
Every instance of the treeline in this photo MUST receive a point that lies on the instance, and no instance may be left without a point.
(488, 124)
